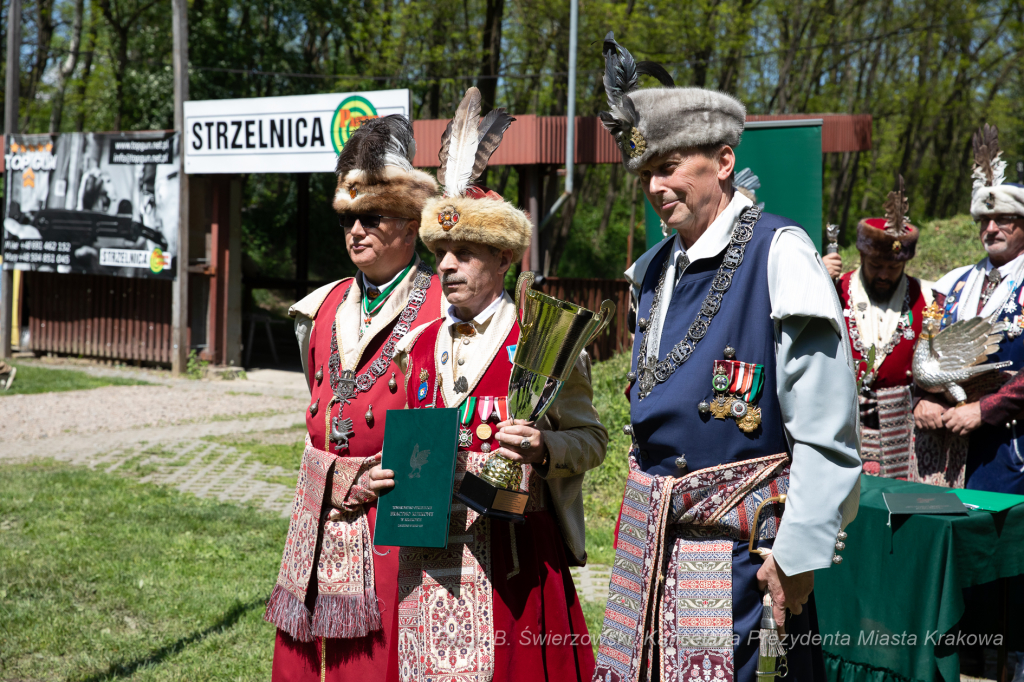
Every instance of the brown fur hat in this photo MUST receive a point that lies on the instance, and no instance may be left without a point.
(480, 216)
(375, 173)
(874, 240)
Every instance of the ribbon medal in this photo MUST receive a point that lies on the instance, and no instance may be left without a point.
(466, 416)
(737, 387)
(485, 407)
(422, 392)
(511, 352)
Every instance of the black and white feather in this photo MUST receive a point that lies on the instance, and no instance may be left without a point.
(989, 167)
(380, 142)
(620, 79)
(468, 142)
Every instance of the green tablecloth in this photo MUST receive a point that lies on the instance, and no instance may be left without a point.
(905, 582)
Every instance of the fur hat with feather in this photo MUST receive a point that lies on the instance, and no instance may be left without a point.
(891, 238)
(991, 194)
(467, 212)
(656, 121)
(375, 173)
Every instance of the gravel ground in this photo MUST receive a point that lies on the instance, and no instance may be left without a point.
(120, 408)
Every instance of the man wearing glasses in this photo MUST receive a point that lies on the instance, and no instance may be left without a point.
(994, 450)
(327, 603)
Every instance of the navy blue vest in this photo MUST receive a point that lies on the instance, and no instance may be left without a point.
(666, 423)
(995, 455)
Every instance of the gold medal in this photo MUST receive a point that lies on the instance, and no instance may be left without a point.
(721, 406)
(751, 420)
(483, 432)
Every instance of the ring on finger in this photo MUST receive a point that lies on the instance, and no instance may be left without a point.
(524, 443)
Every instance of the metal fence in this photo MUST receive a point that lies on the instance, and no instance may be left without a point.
(99, 316)
(589, 293)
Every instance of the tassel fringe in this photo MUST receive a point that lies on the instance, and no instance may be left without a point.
(346, 616)
(287, 612)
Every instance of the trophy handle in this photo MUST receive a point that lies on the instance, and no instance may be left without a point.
(607, 311)
(523, 285)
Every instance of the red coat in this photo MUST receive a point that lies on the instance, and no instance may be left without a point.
(536, 618)
(895, 369)
(361, 658)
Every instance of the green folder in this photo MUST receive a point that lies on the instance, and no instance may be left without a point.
(923, 503)
(988, 501)
(420, 447)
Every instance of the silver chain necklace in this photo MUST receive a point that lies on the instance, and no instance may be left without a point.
(650, 374)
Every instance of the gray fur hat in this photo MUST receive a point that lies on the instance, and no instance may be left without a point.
(655, 121)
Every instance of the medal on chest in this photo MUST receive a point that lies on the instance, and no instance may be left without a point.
(465, 417)
(737, 386)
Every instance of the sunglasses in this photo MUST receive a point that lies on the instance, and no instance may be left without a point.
(367, 220)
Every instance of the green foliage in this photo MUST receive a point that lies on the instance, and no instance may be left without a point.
(102, 578)
(35, 379)
(195, 368)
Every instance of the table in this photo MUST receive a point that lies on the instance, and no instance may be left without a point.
(898, 595)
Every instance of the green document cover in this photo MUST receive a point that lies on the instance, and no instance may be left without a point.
(923, 503)
(419, 446)
(988, 501)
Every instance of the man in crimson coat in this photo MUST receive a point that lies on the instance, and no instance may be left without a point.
(334, 600)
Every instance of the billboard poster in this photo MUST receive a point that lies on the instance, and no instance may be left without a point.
(296, 134)
(96, 203)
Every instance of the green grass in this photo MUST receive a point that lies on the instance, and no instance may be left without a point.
(944, 245)
(287, 454)
(602, 487)
(34, 379)
(102, 578)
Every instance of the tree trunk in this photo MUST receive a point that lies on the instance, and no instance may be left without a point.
(44, 36)
(490, 63)
(67, 68)
(86, 74)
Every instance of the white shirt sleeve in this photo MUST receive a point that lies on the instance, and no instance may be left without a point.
(818, 399)
(303, 330)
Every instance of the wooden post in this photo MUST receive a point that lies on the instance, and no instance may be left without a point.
(301, 235)
(10, 128)
(529, 196)
(180, 301)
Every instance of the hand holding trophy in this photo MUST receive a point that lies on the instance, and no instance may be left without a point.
(552, 335)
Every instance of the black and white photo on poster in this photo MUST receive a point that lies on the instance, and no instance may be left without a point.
(99, 203)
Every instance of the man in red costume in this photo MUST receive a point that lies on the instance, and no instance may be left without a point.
(509, 611)
(883, 307)
(334, 602)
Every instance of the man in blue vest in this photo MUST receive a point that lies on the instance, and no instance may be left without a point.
(741, 390)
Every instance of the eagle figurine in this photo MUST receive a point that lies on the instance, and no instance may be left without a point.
(943, 359)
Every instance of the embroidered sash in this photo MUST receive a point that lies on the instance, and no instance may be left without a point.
(446, 609)
(886, 450)
(346, 605)
(672, 578)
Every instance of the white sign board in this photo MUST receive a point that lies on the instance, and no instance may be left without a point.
(300, 134)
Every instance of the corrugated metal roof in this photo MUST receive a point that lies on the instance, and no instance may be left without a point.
(541, 139)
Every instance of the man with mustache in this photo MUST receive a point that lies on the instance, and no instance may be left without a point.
(990, 459)
(334, 603)
(883, 309)
(741, 390)
(508, 611)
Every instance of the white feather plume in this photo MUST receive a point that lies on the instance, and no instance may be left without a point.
(459, 144)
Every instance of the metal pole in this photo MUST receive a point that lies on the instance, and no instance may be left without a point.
(10, 128)
(570, 122)
(179, 304)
